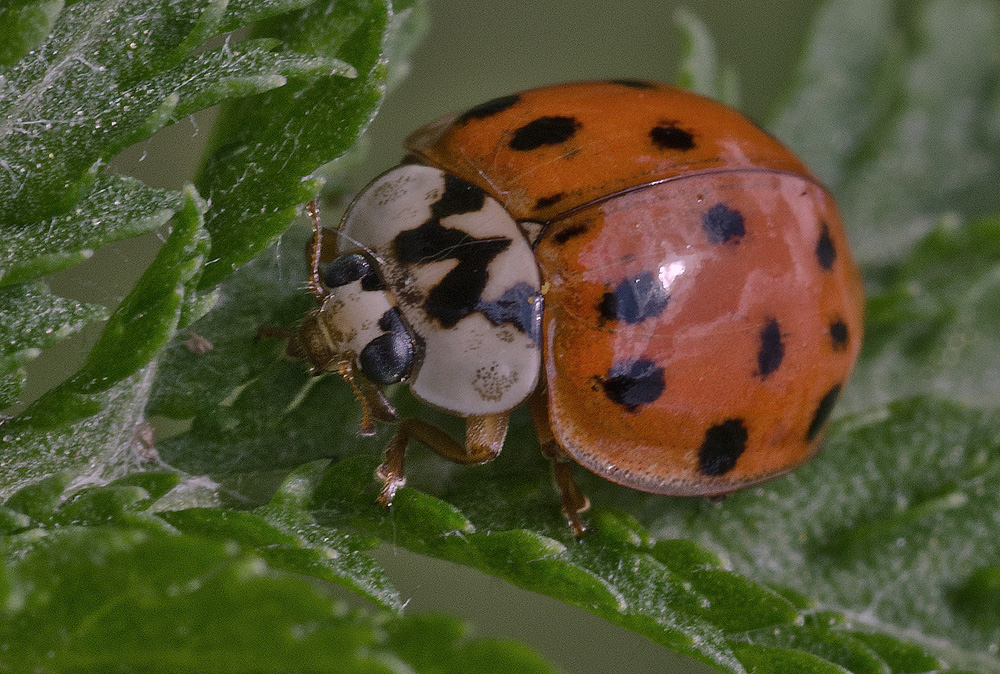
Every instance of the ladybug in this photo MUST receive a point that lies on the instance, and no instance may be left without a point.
(667, 287)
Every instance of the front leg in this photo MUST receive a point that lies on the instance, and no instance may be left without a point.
(484, 436)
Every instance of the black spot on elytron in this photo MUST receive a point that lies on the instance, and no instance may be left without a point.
(668, 136)
(839, 335)
(520, 306)
(458, 293)
(545, 202)
(346, 269)
(825, 252)
(564, 235)
(772, 349)
(723, 445)
(488, 109)
(634, 299)
(722, 223)
(822, 412)
(387, 359)
(634, 84)
(544, 131)
(634, 383)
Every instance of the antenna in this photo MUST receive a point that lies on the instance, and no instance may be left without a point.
(315, 280)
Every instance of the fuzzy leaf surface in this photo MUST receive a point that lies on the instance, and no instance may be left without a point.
(116, 208)
(931, 330)
(147, 598)
(109, 74)
(89, 425)
(33, 319)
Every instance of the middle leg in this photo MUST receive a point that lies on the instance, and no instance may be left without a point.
(574, 501)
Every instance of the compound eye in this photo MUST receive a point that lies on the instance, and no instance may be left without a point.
(347, 269)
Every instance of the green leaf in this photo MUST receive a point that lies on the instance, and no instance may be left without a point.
(32, 319)
(102, 76)
(151, 601)
(108, 75)
(285, 534)
(407, 26)
(24, 25)
(409, 638)
(118, 207)
(932, 330)
(39, 500)
(901, 657)
(978, 597)
(900, 122)
(880, 526)
(879, 556)
(143, 322)
(89, 423)
(255, 415)
(310, 122)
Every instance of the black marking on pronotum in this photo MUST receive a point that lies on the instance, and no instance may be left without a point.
(772, 349)
(822, 413)
(458, 197)
(520, 306)
(387, 359)
(564, 235)
(634, 299)
(839, 335)
(544, 131)
(668, 136)
(488, 109)
(825, 251)
(545, 202)
(722, 223)
(634, 383)
(431, 241)
(458, 293)
(634, 84)
(724, 444)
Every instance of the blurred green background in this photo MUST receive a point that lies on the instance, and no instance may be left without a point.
(474, 51)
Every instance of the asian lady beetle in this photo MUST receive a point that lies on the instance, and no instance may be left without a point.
(667, 286)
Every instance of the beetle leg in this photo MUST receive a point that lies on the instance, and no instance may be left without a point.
(484, 436)
(374, 405)
(379, 406)
(574, 501)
